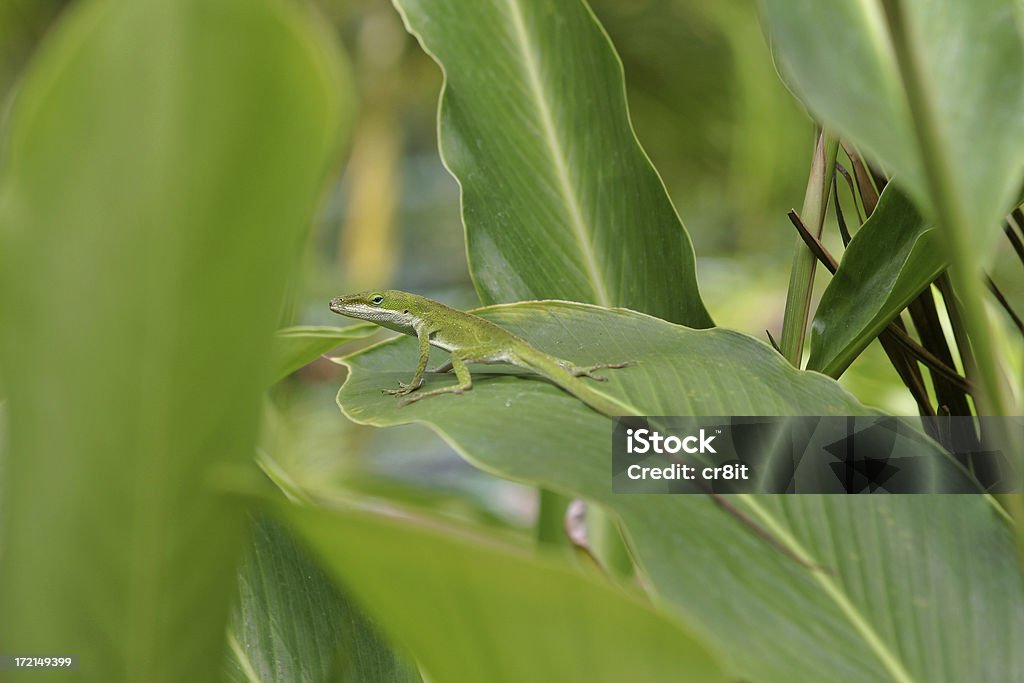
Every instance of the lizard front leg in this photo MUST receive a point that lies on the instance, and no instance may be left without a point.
(465, 383)
(423, 337)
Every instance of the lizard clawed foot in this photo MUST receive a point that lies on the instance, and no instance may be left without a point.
(403, 389)
(412, 398)
(588, 371)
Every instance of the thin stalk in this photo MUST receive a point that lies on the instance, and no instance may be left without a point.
(956, 322)
(1001, 298)
(952, 216)
(865, 182)
(949, 395)
(550, 525)
(801, 278)
(607, 544)
(993, 395)
(1015, 241)
(844, 231)
(853, 193)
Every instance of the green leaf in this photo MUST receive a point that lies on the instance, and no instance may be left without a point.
(890, 261)
(678, 370)
(161, 167)
(839, 57)
(893, 576)
(558, 198)
(472, 609)
(292, 624)
(296, 346)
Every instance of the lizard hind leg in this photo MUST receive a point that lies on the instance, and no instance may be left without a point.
(442, 368)
(588, 370)
(464, 384)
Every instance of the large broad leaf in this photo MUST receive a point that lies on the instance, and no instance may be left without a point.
(558, 198)
(677, 370)
(890, 260)
(471, 609)
(162, 164)
(296, 346)
(839, 58)
(293, 625)
(886, 582)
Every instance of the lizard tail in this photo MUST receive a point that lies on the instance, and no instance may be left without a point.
(558, 372)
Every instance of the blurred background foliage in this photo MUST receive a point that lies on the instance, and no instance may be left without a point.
(731, 143)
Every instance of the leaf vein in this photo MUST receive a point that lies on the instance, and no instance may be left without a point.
(577, 221)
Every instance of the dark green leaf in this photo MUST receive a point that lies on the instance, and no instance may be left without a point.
(558, 198)
(891, 260)
(839, 58)
(904, 588)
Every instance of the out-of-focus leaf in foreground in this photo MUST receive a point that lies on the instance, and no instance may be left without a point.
(162, 163)
(840, 59)
(558, 198)
(293, 625)
(471, 609)
(889, 581)
(890, 260)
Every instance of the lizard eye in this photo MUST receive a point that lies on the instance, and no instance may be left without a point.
(377, 300)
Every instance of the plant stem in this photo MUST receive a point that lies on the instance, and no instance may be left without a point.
(993, 395)
(801, 278)
(952, 217)
(607, 544)
(550, 526)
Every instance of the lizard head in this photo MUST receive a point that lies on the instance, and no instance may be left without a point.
(378, 306)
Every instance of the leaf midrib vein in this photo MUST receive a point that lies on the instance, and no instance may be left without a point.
(557, 154)
(832, 590)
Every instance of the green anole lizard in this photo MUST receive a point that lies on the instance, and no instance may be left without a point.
(469, 339)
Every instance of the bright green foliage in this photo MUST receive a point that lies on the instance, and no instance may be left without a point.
(678, 370)
(891, 260)
(162, 162)
(471, 609)
(296, 346)
(558, 198)
(839, 58)
(896, 576)
(292, 624)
